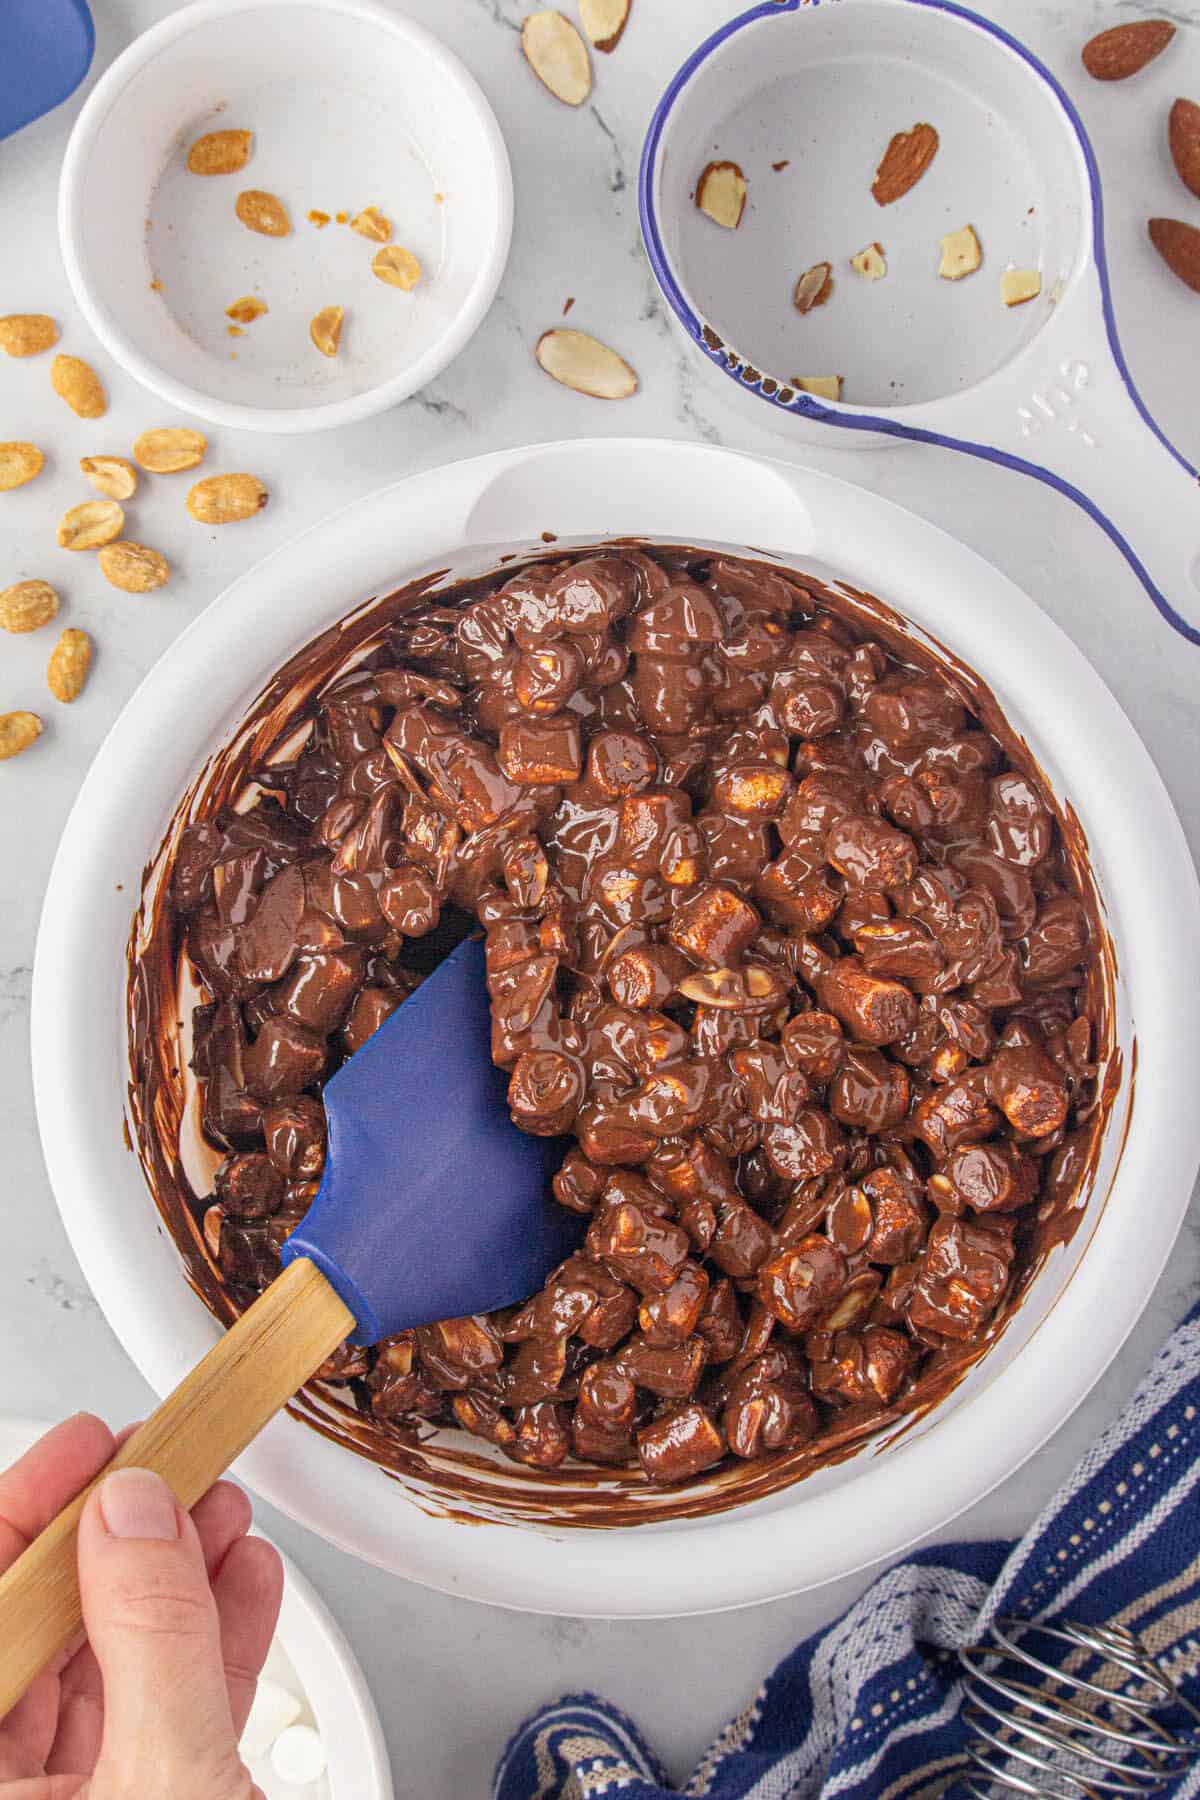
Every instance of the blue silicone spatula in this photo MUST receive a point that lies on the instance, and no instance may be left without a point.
(432, 1206)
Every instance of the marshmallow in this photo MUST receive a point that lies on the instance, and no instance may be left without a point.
(298, 1755)
(274, 1709)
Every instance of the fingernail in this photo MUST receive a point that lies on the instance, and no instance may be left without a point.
(137, 1503)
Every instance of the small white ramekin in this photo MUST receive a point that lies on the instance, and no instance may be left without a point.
(351, 105)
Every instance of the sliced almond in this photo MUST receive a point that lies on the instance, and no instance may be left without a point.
(88, 526)
(870, 263)
(246, 310)
(110, 475)
(1019, 285)
(604, 21)
(961, 254)
(220, 153)
(397, 266)
(903, 163)
(1183, 137)
(26, 605)
(558, 56)
(813, 288)
(19, 463)
(27, 334)
(1179, 246)
(224, 499)
(69, 663)
(170, 449)
(1118, 53)
(134, 568)
(78, 384)
(721, 193)
(17, 731)
(326, 330)
(262, 212)
(371, 223)
(829, 387)
(585, 364)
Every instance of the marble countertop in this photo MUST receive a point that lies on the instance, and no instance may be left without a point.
(452, 1678)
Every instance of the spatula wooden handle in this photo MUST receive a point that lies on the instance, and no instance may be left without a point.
(190, 1441)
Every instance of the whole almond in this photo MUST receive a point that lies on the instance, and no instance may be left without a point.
(224, 499)
(17, 731)
(903, 163)
(371, 223)
(111, 475)
(263, 213)
(1183, 136)
(26, 605)
(220, 153)
(78, 384)
(558, 56)
(398, 267)
(27, 334)
(1120, 52)
(1179, 246)
(326, 330)
(88, 526)
(19, 463)
(170, 449)
(67, 669)
(134, 568)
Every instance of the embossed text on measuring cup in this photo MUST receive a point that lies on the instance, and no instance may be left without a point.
(1056, 403)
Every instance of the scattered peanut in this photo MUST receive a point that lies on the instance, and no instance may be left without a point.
(371, 223)
(399, 268)
(326, 330)
(263, 213)
(224, 499)
(220, 153)
(26, 605)
(78, 384)
(19, 463)
(67, 669)
(134, 568)
(88, 526)
(170, 449)
(246, 310)
(111, 475)
(27, 334)
(17, 731)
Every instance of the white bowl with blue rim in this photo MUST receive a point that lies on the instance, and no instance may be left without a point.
(1042, 387)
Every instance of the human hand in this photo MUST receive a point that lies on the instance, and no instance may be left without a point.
(179, 1612)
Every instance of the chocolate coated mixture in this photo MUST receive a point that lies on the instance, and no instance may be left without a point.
(777, 934)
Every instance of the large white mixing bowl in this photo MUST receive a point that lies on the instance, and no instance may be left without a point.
(1087, 1297)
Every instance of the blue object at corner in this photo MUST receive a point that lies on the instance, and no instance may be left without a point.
(45, 51)
(432, 1205)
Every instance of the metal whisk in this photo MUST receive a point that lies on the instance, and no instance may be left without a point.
(1043, 1729)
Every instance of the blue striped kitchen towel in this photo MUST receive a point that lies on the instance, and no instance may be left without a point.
(870, 1707)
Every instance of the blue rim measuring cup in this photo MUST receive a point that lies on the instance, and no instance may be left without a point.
(804, 95)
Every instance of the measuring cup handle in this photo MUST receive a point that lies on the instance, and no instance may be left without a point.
(1068, 413)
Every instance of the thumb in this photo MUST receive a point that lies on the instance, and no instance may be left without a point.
(152, 1623)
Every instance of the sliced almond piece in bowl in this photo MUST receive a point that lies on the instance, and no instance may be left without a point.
(813, 288)
(19, 463)
(134, 568)
(582, 362)
(170, 449)
(604, 21)
(721, 194)
(903, 163)
(827, 387)
(326, 329)
(961, 254)
(88, 526)
(111, 475)
(558, 56)
(1019, 285)
(870, 263)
